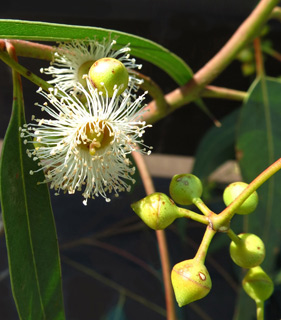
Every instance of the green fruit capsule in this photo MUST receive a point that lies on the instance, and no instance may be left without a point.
(184, 188)
(249, 252)
(233, 190)
(257, 284)
(191, 281)
(108, 75)
(157, 210)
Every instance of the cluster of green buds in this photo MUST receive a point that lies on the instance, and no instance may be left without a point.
(190, 278)
(247, 250)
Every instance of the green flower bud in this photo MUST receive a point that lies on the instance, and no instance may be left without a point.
(258, 284)
(84, 70)
(191, 281)
(157, 210)
(248, 68)
(184, 188)
(233, 190)
(246, 55)
(109, 74)
(249, 252)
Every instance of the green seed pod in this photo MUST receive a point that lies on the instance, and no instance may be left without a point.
(249, 252)
(184, 188)
(258, 284)
(191, 281)
(108, 74)
(157, 210)
(233, 190)
(246, 55)
(248, 68)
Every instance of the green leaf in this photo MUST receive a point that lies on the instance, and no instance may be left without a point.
(29, 227)
(216, 147)
(141, 47)
(258, 146)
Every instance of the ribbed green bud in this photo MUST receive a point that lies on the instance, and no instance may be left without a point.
(233, 190)
(258, 284)
(108, 75)
(191, 281)
(249, 252)
(184, 188)
(157, 210)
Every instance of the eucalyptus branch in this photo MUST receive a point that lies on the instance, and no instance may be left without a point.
(259, 57)
(145, 175)
(248, 30)
(22, 70)
(31, 49)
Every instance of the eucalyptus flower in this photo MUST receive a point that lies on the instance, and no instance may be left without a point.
(72, 60)
(86, 147)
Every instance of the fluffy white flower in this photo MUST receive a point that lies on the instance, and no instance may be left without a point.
(72, 60)
(86, 148)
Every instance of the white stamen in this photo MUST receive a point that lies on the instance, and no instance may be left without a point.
(72, 153)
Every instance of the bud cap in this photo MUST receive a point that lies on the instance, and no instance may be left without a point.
(258, 284)
(108, 75)
(184, 188)
(157, 210)
(191, 281)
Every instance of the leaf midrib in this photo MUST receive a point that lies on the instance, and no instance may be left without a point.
(271, 157)
(18, 99)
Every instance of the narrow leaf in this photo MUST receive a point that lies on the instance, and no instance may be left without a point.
(141, 47)
(29, 227)
(258, 146)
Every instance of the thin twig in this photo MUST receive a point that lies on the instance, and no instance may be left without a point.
(223, 93)
(161, 238)
(22, 70)
(273, 53)
(248, 30)
(31, 49)
(112, 284)
(258, 57)
(109, 247)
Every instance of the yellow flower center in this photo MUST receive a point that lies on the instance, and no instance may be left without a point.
(95, 136)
